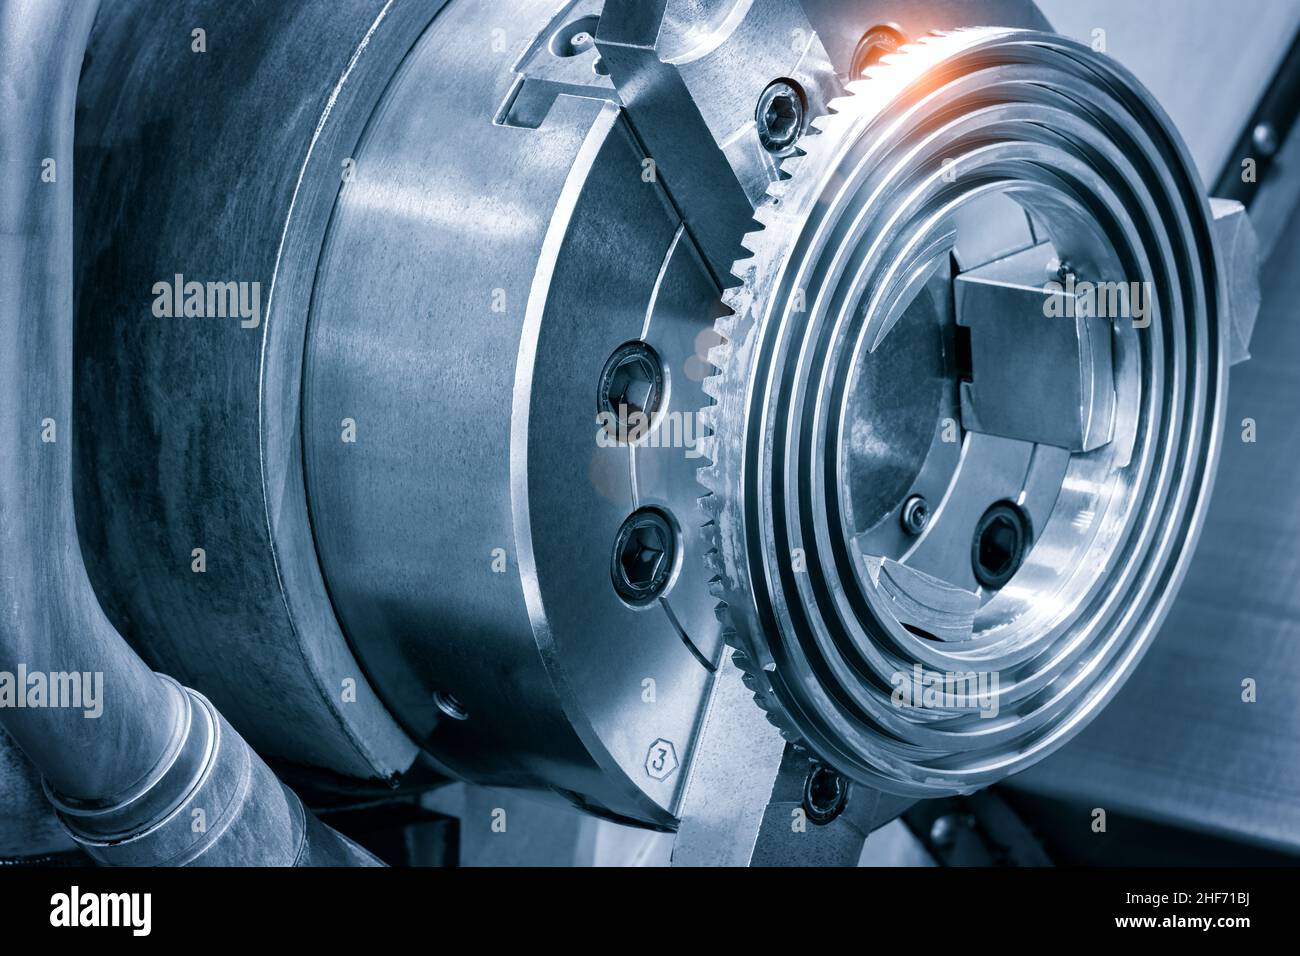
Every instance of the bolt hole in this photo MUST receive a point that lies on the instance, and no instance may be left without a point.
(631, 391)
(915, 515)
(450, 706)
(825, 794)
(645, 557)
(1002, 539)
(780, 116)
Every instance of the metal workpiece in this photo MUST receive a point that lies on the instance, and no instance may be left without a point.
(1080, 495)
(210, 802)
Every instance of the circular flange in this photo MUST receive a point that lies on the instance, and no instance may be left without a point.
(916, 677)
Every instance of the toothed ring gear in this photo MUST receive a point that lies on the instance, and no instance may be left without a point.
(868, 315)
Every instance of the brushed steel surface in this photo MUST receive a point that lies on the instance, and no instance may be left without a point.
(221, 166)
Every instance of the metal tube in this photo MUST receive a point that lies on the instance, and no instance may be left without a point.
(50, 619)
(149, 773)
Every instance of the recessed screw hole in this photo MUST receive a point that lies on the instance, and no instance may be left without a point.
(780, 116)
(1002, 540)
(825, 794)
(915, 515)
(450, 706)
(631, 384)
(575, 38)
(645, 552)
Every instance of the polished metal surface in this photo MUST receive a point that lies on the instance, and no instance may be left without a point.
(864, 224)
(483, 571)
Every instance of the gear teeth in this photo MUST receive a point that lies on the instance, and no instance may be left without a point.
(790, 167)
(706, 440)
(751, 238)
(765, 242)
(712, 384)
(756, 681)
(718, 355)
(710, 503)
(832, 115)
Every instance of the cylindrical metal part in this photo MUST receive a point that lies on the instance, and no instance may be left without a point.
(141, 770)
(210, 146)
(211, 802)
(50, 619)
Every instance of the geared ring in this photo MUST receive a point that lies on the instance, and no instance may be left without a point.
(1076, 141)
